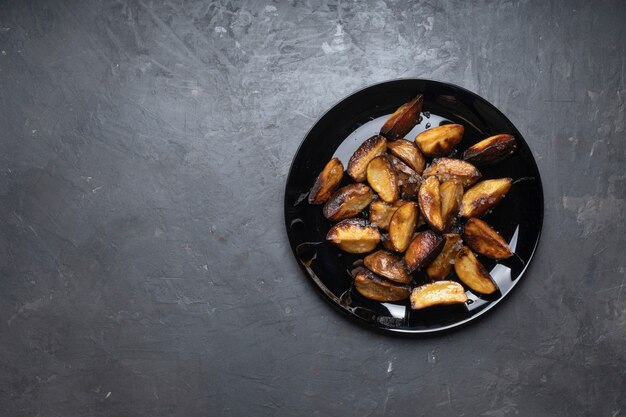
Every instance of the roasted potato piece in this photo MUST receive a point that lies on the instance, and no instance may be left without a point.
(408, 153)
(472, 273)
(451, 193)
(354, 236)
(403, 120)
(347, 202)
(387, 265)
(483, 239)
(483, 196)
(326, 182)
(402, 226)
(383, 179)
(437, 293)
(430, 203)
(440, 140)
(408, 179)
(490, 151)
(375, 288)
(424, 247)
(449, 168)
(370, 149)
(386, 242)
(442, 265)
(381, 212)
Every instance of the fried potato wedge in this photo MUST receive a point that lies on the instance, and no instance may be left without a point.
(451, 193)
(326, 182)
(402, 226)
(408, 153)
(370, 149)
(382, 177)
(403, 120)
(440, 140)
(375, 288)
(386, 242)
(490, 151)
(347, 202)
(449, 168)
(437, 293)
(381, 212)
(441, 267)
(354, 236)
(483, 196)
(429, 201)
(472, 273)
(483, 239)
(424, 247)
(388, 265)
(408, 179)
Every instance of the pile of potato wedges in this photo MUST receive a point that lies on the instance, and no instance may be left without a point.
(412, 207)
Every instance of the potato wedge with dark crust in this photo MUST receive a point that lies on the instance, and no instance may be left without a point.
(408, 153)
(472, 273)
(441, 267)
(354, 236)
(408, 179)
(403, 120)
(370, 149)
(375, 288)
(483, 239)
(449, 168)
(490, 151)
(424, 247)
(387, 265)
(437, 293)
(383, 179)
(483, 196)
(451, 193)
(429, 201)
(402, 226)
(386, 242)
(440, 140)
(381, 212)
(326, 182)
(347, 202)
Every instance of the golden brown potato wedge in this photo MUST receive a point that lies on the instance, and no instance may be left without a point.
(449, 168)
(388, 265)
(472, 273)
(382, 177)
(403, 120)
(424, 247)
(347, 202)
(441, 267)
(381, 212)
(354, 236)
(370, 149)
(430, 203)
(437, 293)
(408, 179)
(483, 239)
(375, 288)
(451, 193)
(483, 196)
(490, 151)
(440, 140)
(326, 182)
(402, 226)
(408, 153)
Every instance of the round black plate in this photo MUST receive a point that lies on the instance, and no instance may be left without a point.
(341, 130)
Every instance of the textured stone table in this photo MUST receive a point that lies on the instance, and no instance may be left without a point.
(144, 266)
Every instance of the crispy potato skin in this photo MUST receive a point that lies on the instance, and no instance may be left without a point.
(483, 239)
(370, 149)
(387, 265)
(491, 151)
(402, 226)
(386, 242)
(408, 179)
(451, 193)
(483, 196)
(429, 200)
(437, 293)
(408, 153)
(472, 273)
(381, 212)
(440, 140)
(375, 288)
(326, 182)
(442, 266)
(450, 168)
(348, 201)
(382, 177)
(424, 247)
(354, 236)
(403, 119)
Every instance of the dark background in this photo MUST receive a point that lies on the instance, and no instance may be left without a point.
(144, 265)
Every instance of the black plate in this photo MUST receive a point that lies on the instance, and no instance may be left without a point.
(341, 130)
